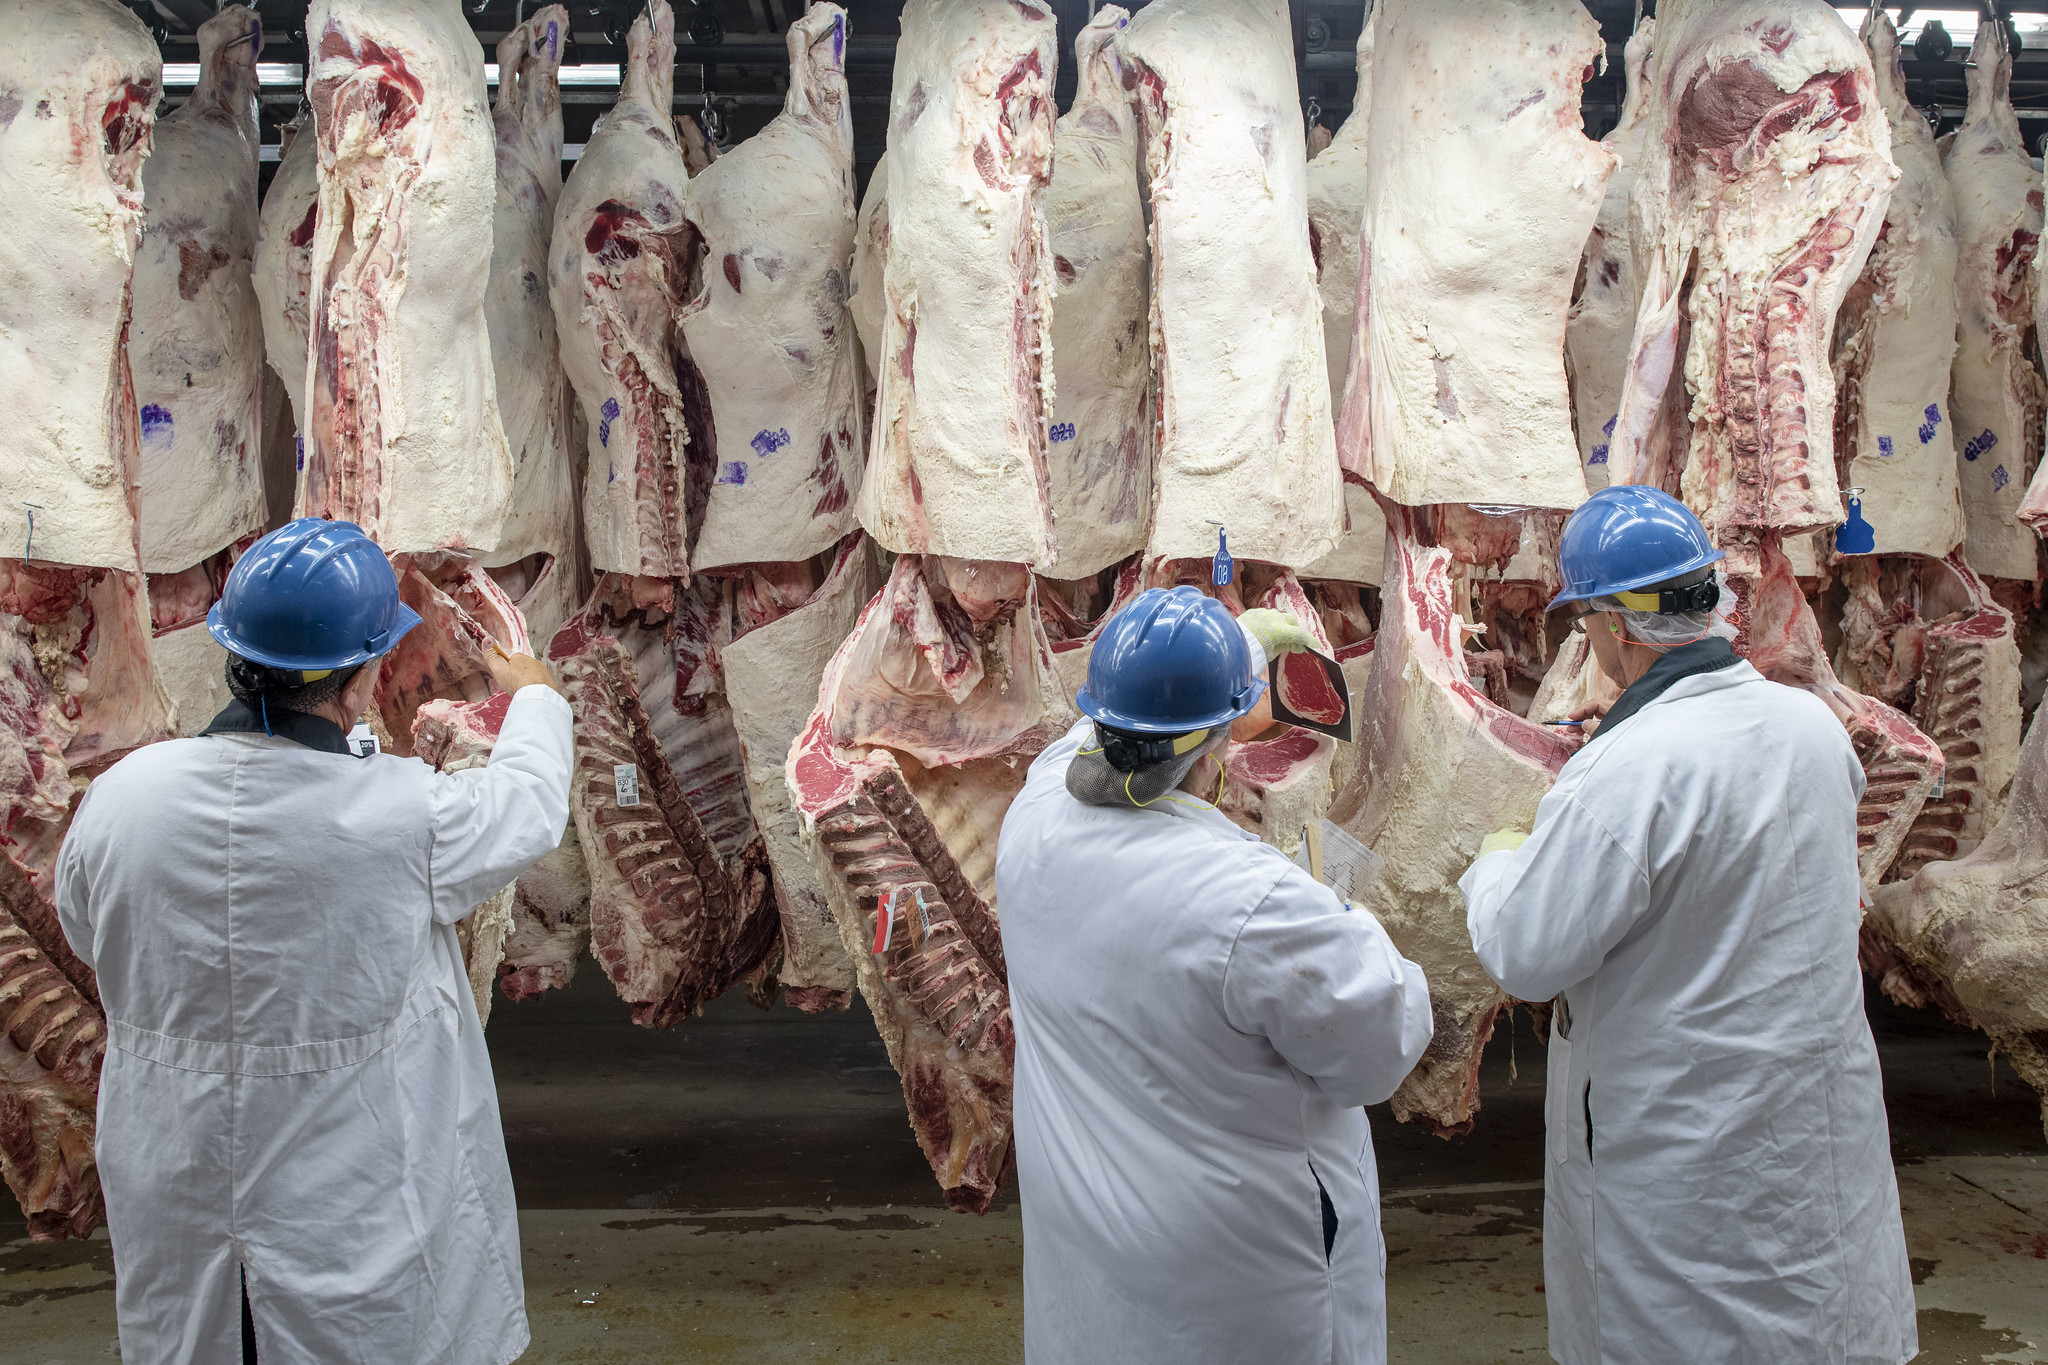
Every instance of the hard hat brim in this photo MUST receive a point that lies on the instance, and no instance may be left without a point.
(407, 619)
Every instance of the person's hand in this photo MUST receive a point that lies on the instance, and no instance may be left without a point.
(1588, 718)
(1276, 631)
(514, 671)
(1503, 841)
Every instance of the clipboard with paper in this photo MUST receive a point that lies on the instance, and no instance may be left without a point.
(1337, 860)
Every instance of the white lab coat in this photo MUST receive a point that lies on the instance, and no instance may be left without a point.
(1690, 891)
(296, 1081)
(1198, 1025)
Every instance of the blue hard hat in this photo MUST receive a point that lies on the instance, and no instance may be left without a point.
(1629, 536)
(1171, 662)
(311, 596)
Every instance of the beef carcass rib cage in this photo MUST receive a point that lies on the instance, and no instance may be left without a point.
(464, 616)
(957, 460)
(1439, 767)
(1603, 316)
(1923, 635)
(84, 635)
(1100, 440)
(538, 556)
(773, 671)
(1244, 430)
(80, 83)
(1966, 935)
(768, 324)
(1761, 184)
(679, 902)
(283, 269)
(401, 417)
(1894, 342)
(2000, 396)
(1458, 360)
(620, 268)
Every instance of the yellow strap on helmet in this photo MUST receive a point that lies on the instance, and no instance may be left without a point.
(1638, 601)
(1188, 742)
(314, 675)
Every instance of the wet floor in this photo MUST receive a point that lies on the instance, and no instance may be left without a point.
(746, 1189)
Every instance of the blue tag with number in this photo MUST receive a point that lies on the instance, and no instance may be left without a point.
(1226, 567)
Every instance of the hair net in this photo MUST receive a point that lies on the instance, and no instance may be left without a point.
(249, 681)
(1093, 780)
(1664, 630)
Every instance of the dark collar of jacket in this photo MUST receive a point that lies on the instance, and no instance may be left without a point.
(315, 732)
(1701, 656)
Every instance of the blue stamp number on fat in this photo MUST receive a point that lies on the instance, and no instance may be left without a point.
(1884, 445)
(1061, 431)
(1999, 479)
(607, 414)
(764, 443)
(733, 471)
(156, 426)
(1933, 416)
(1600, 452)
(1978, 444)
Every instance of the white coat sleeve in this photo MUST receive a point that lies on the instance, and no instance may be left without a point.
(1545, 915)
(491, 823)
(72, 892)
(1326, 986)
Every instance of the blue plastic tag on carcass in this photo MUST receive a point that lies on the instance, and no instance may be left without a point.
(1225, 566)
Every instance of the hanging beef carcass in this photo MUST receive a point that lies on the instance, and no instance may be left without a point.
(196, 348)
(773, 221)
(619, 272)
(1894, 341)
(78, 687)
(1447, 402)
(679, 903)
(1440, 765)
(1999, 393)
(538, 555)
(1244, 434)
(1762, 182)
(789, 624)
(1967, 935)
(957, 462)
(283, 272)
(870, 249)
(1100, 440)
(401, 417)
(926, 722)
(1603, 317)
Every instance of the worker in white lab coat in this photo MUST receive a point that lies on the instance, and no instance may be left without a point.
(298, 1134)
(1718, 1183)
(1199, 1024)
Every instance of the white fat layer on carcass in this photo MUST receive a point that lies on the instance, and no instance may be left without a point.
(1100, 440)
(1244, 429)
(769, 327)
(1361, 550)
(772, 676)
(401, 417)
(1336, 209)
(533, 392)
(957, 461)
(1895, 343)
(615, 290)
(866, 303)
(78, 84)
(283, 272)
(1753, 245)
(1999, 394)
(196, 341)
(1603, 317)
(1458, 390)
(194, 671)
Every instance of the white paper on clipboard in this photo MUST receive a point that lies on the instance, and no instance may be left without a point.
(1337, 860)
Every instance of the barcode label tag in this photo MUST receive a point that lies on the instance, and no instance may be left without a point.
(626, 781)
(1940, 785)
(362, 741)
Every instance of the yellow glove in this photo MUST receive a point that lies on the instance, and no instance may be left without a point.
(1276, 631)
(1503, 841)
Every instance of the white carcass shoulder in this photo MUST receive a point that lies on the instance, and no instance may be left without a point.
(1100, 441)
(283, 272)
(768, 327)
(870, 244)
(401, 417)
(1604, 316)
(1457, 390)
(1244, 435)
(1894, 341)
(78, 91)
(618, 271)
(957, 462)
(196, 344)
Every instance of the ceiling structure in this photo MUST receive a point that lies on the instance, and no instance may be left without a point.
(730, 54)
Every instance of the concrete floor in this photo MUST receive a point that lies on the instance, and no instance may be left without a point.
(746, 1189)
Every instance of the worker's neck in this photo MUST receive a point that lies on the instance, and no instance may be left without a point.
(334, 711)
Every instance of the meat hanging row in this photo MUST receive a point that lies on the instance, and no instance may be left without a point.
(817, 506)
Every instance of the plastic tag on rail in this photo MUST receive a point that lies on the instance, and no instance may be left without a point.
(362, 741)
(1308, 689)
(626, 782)
(1348, 867)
